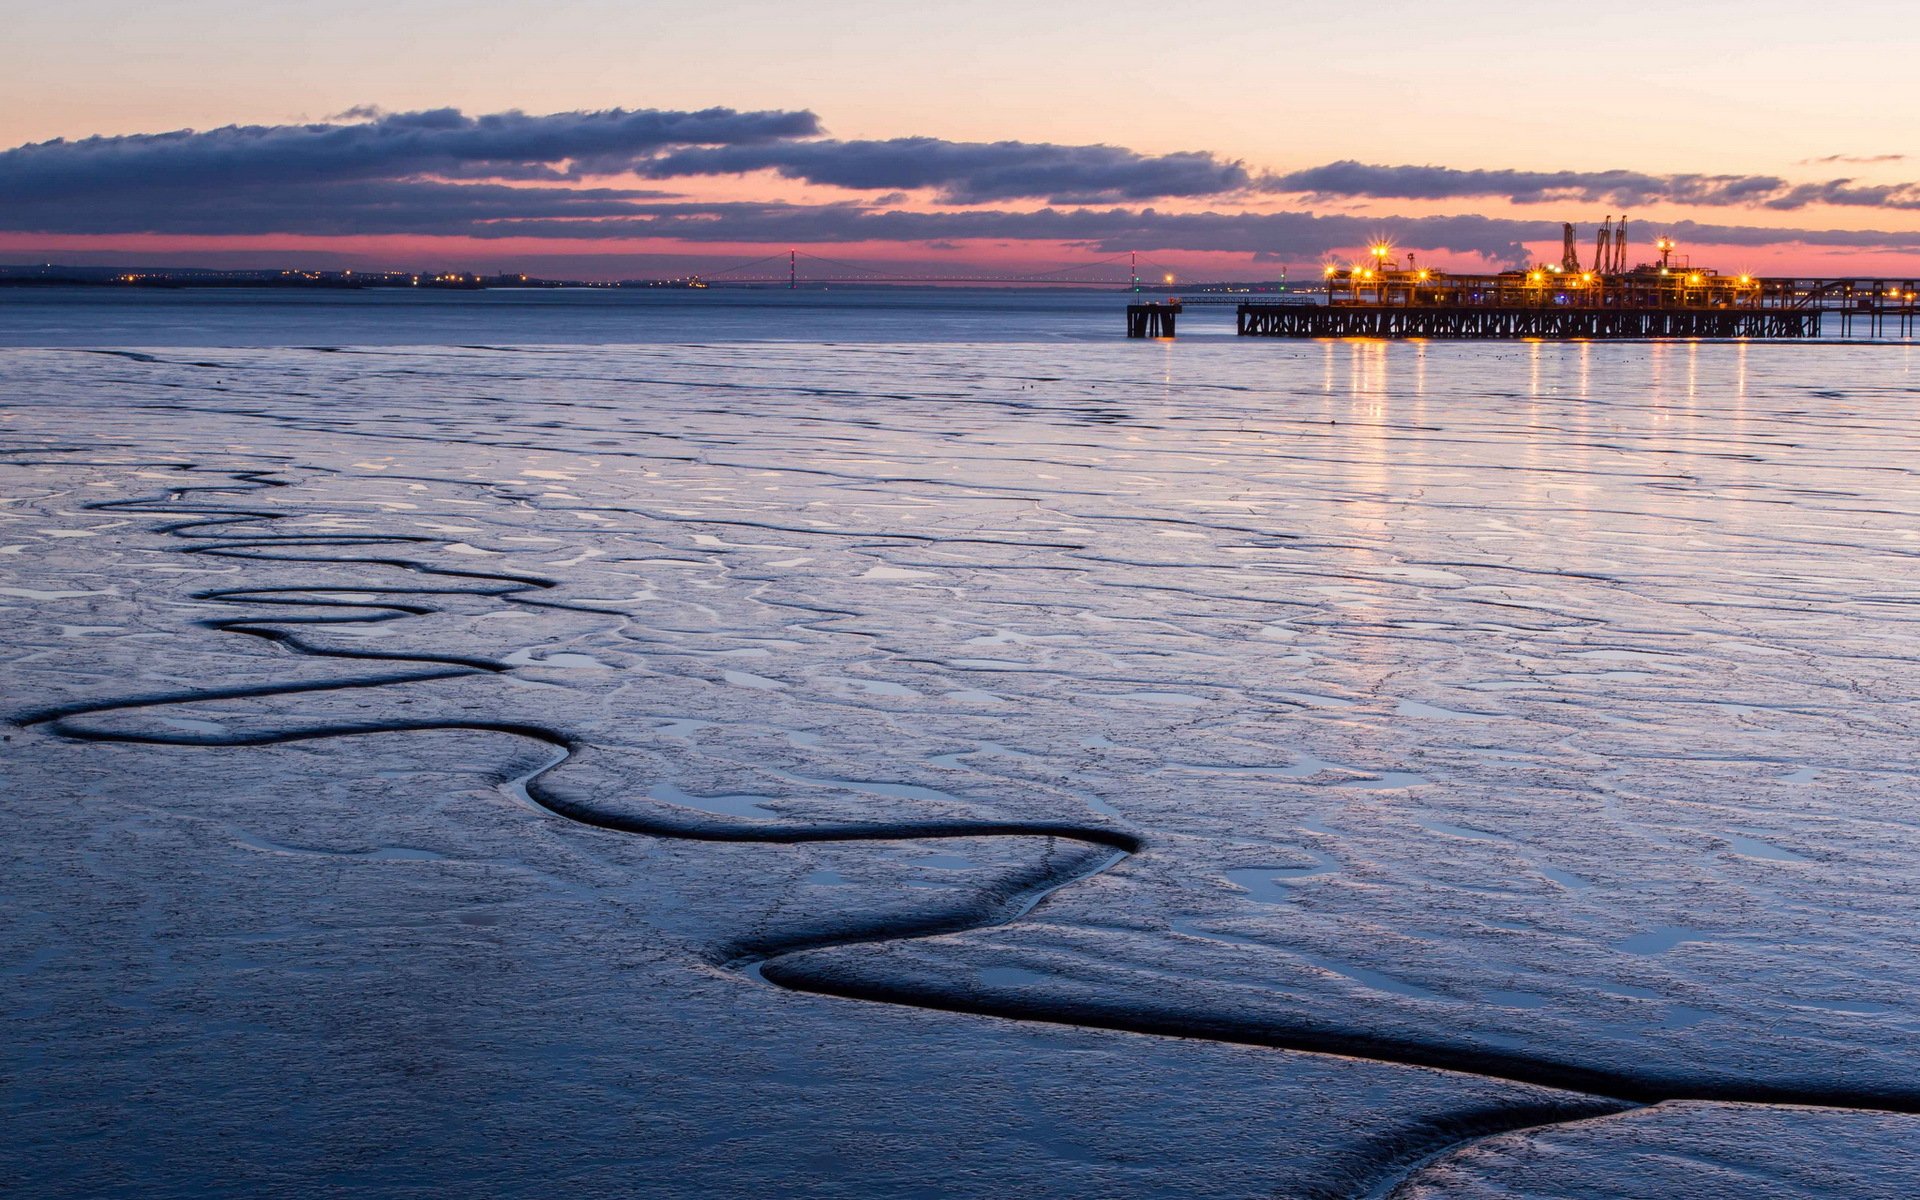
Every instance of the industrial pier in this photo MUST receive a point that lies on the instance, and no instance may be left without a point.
(1388, 297)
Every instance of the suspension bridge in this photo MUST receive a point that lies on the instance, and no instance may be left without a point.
(797, 269)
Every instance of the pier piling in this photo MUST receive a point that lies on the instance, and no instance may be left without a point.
(1152, 320)
(1319, 321)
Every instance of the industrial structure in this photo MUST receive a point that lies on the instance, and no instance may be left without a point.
(1392, 297)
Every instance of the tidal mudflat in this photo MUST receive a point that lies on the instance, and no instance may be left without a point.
(962, 770)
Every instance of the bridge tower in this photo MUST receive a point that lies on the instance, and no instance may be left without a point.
(1133, 269)
(793, 270)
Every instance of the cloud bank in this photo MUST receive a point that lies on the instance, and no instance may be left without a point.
(390, 146)
(973, 172)
(1622, 189)
(597, 176)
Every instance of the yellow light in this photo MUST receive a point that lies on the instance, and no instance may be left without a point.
(1366, 273)
(1382, 250)
(1421, 275)
(1332, 271)
(1536, 277)
(1586, 277)
(1169, 279)
(1693, 279)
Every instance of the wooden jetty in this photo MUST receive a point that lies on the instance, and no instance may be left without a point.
(1152, 319)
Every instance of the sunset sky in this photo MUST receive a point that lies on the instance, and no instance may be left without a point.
(605, 139)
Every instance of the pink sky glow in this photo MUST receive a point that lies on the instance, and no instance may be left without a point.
(1231, 143)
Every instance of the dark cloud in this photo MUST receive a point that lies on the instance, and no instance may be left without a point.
(1700, 233)
(1846, 193)
(361, 207)
(1289, 236)
(211, 164)
(1622, 189)
(972, 172)
(1853, 158)
(1280, 237)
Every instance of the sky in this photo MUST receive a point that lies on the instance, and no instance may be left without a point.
(605, 139)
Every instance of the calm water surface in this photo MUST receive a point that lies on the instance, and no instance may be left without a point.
(256, 317)
(267, 317)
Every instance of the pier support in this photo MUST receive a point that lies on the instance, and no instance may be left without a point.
(1152, 320)
(1472, 321)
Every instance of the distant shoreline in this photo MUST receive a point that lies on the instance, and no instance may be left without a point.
(173, 279)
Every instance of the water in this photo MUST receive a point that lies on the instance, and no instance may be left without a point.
(62, 316)
(1556, 698)
(103, 316)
